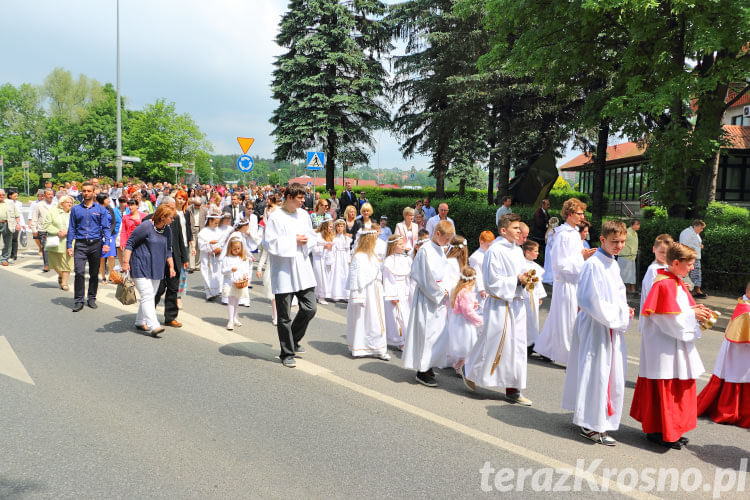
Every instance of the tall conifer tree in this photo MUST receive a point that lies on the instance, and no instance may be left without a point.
(330, 81)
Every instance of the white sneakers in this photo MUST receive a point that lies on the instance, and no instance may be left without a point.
(598, 437)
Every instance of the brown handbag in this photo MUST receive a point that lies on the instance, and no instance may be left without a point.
(125, 292)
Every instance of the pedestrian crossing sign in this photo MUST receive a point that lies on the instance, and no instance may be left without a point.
(315, 160)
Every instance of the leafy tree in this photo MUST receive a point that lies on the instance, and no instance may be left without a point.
(21, 124)
(158, 135)
(329, 82)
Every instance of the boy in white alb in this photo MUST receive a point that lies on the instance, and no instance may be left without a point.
(567, 255)
(425, 343)
(594, 385)
(498, 359)
(661, 245)
(486, 238)
(289, 238)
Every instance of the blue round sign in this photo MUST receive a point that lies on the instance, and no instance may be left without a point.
(245, 163)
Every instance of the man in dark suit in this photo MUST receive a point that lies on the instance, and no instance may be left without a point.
(309, 200)
(181, 257)
(235, 209)
(347, 198)
(541, 220)
(198, 214)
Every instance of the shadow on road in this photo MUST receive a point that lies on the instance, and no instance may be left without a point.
(722, 456)
(560, 425)
(17, 488)
(252, 350)
(67, 302)
(45, 285)
(332, 348)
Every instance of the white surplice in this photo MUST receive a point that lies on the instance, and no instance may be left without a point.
(503, 311)
(291, 270)
(210, 263)
(397, 286)
(594, 383)
(532, 304)
(668, 344)
(475, 262)
(425, 343)
(646, 284)
(365, 318)
(566, 262)
(339, 268)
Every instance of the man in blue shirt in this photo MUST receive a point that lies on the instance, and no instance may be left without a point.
(427, 209)
(90, 229)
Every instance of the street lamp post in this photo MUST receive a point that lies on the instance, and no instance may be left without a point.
(211, 164)
(118, 159)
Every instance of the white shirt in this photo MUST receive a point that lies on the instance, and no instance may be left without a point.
(500, 212)
(291, 269)
(430, 226)
(689, 237)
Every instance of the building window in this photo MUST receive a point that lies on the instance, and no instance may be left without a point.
(732, 181)
(740, 120)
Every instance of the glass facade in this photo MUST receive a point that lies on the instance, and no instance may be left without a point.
(624, 183)
(629, 182)
(733, 180)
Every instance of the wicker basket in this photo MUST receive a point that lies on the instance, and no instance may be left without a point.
(241, 283)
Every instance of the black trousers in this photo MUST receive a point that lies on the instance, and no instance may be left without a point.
(86, 251)
(14, 245)
(171, 286)
(291, 332)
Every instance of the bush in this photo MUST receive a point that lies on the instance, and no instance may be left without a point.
(558, 196)
(376, 193)
(722, 214)
(725, 266)
(654, 213)
(470, 217)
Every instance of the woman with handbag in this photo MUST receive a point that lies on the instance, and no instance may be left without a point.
(56, 226)
(150, 249)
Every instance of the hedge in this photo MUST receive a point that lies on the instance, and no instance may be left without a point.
(725, 260)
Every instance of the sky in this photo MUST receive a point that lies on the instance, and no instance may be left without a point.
(213, 59)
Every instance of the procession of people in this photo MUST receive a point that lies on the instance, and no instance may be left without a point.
(417, 291)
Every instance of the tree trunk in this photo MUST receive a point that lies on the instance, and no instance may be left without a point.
(493, 157)
(708, 126)
(461, 186)
(440, 169)
(503, 178)
(600, 165)
(331, 161)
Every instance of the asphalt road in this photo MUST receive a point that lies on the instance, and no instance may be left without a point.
(203, 412)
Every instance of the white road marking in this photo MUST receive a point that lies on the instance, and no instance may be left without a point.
(195, 326)
(10, 365)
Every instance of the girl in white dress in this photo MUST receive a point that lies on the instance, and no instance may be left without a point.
(340, 265)
(236, 267)
(531, 253)
(209, 242)
(548, 276)
(365, 320)
(322, 259)
(463, 320)
(397, 288)
(458, 258)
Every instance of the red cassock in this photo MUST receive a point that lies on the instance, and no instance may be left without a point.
(665, 393)
(726, 398)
